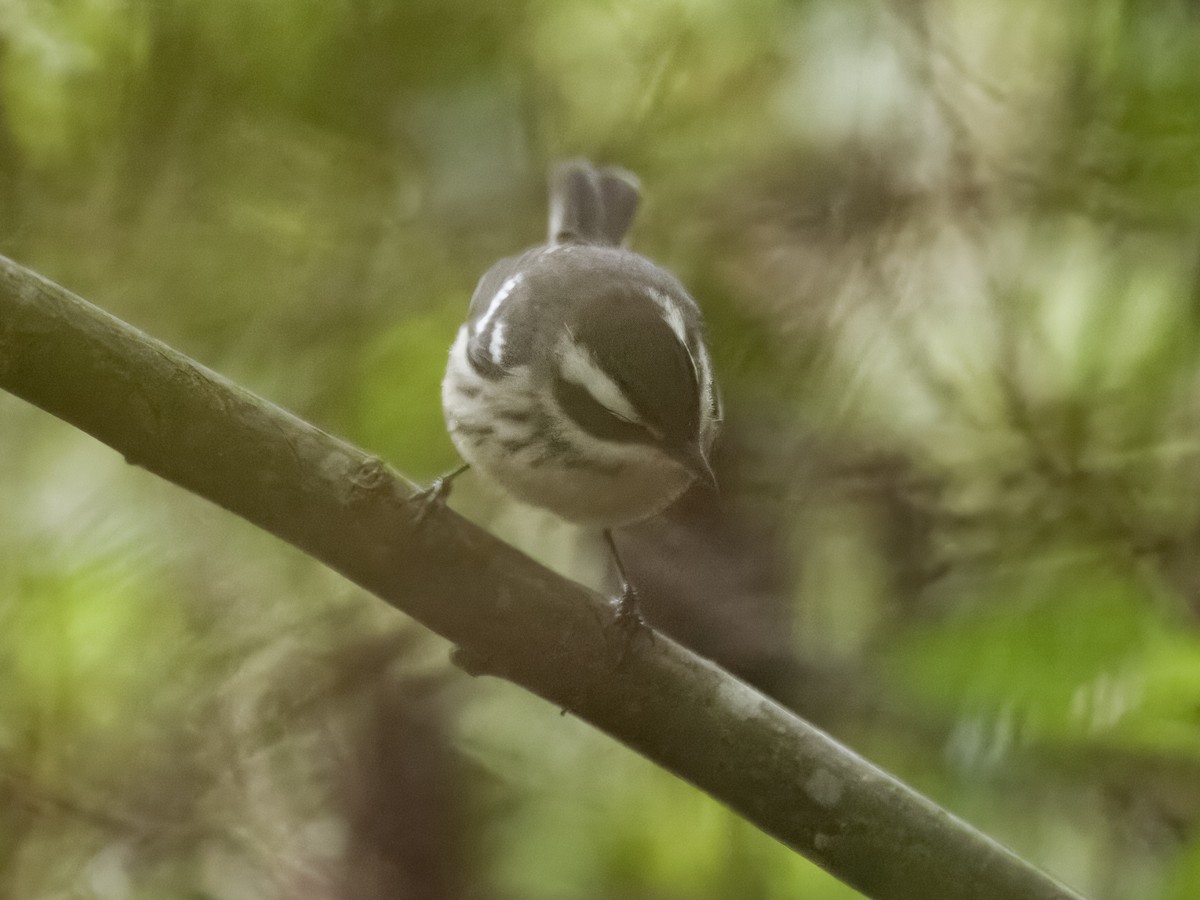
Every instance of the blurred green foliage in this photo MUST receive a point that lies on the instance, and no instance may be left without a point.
(948, 253)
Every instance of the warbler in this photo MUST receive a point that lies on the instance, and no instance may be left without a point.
(581, 381)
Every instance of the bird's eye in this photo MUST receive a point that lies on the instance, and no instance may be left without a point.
(621, 416)
(598, 419)
(652, 430)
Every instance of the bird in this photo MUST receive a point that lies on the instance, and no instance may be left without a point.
(581, 381)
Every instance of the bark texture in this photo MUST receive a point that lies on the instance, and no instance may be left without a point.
(509, 616)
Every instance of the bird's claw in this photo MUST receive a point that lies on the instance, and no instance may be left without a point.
(629, 624)
(431, 498)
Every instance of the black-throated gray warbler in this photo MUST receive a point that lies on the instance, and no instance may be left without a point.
(580, 382)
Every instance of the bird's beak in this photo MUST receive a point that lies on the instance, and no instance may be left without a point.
(693, 458)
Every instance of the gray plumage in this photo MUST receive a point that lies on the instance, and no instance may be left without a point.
(581, 381)
(590, 205)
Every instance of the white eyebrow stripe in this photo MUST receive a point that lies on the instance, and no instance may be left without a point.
(501, 295)
(710, 402)
(579, 368)
(672, 315)
(704, 364)
(496, 344)
(696, 351)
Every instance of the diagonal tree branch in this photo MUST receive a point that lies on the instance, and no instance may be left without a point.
(509, 616)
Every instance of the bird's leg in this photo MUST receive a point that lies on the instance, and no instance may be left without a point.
(437, 493)
(629, 618)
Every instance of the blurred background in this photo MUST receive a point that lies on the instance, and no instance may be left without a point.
(949, 254)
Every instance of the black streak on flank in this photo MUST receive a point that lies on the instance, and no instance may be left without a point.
(515, 416)
(470, 430)
(556, 450)
(469, 391)
(580, 462)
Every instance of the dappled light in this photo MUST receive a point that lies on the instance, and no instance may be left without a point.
(947, 255)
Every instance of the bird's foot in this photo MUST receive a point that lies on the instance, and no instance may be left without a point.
(628, 623)
(431, 498)
(435, 496)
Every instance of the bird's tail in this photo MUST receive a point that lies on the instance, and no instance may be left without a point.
(590, 205)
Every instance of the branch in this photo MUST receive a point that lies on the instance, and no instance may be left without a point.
(509, 616)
